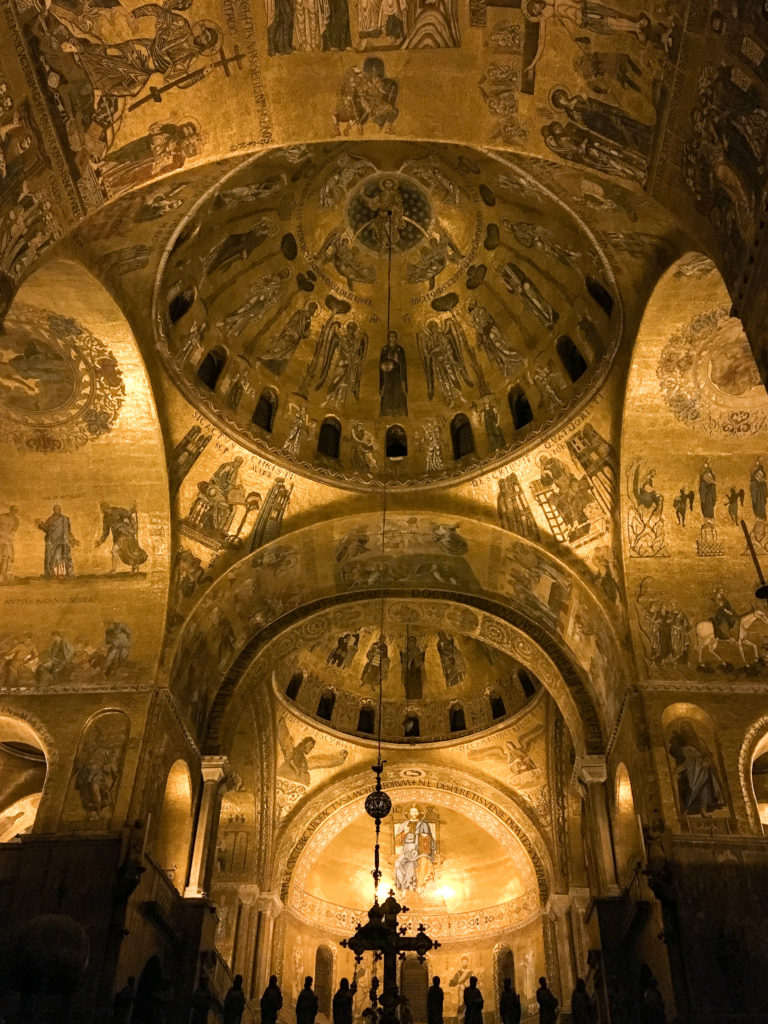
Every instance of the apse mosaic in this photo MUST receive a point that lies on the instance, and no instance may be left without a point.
(275, 321)
(60, 385)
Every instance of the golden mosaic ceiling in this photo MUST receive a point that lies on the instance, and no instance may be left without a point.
(389, 312)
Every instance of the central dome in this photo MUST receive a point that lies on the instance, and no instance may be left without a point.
(385, 312)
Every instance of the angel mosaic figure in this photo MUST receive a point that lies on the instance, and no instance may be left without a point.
(261, 298)
(299, 429)
(346, 352)
(345, 257)
(441, 350)
(491, 340)
(518, 283)
(298, 758)
(432, 260)
(541, 239)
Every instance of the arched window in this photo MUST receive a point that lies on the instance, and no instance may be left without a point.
(366, 720)
(174, 832)
(573, 361)
(212, 367)
(396, 443)
(324, 979)
(23, 767)
(411, 726)
(498, 708)
(181, 304)
(266, 408)
(760, 780)
(414, 982)
(520, 407)
(601, 295)
(528, 681)
(325, 705)
(294, 685)
(456, 719)
(329, 438)
(462, 436)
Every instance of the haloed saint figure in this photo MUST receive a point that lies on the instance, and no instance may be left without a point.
(415, 852)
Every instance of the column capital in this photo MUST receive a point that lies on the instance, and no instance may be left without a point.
(269, 903)
(214, 768)
(558, 903)
(248, 893)
(591, 768)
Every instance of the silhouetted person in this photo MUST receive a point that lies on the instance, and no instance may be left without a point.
(234, 1002)
(406, 1015)
(435, 999)
(547, 1003)
(342, 1002)
(271, 1002)
(202, 1002)
(306, 1004)
(581, 1004)
(122, 1005)
(654, 1003)
(473, 1003)
(510, 1010)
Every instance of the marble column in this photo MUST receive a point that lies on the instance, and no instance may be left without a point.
(244, 951)
(592, 773)
(558, 910)
(269, 906)
(214, 772)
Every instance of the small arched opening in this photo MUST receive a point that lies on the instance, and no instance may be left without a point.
(325, 705)
(505, 967)
(329, 438)
(573, 361)
(414, 982)
(411, 726)
(324, 979)
(294, 685)
(528, 682)
(456, 718)
(211, 368)
(760, 780)
(498, 708)
(174, 831)
(396, 444)
(520, 407)
(366, 720)
(600, 294)
(181, 304)
(462, 437)
(23, 768)
(265, 411)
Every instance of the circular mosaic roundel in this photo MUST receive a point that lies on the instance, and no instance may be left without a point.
(60, 386)
(281, 316)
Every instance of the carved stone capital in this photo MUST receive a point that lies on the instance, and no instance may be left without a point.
(591, 768)
(248, 893)
(558, 904)
(269, 903)
(214, 768)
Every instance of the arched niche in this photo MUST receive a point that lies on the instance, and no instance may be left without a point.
(171, 845)
(752, 775)
(508, 586)
(696, 769)
(97, 771)
(23, 772)
(694, 437)
(82, 457)
(628, 845)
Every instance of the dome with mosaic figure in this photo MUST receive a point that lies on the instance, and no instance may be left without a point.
(385, 312)
(436, 683)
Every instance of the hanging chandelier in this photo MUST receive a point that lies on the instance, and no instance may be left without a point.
(382, 935)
